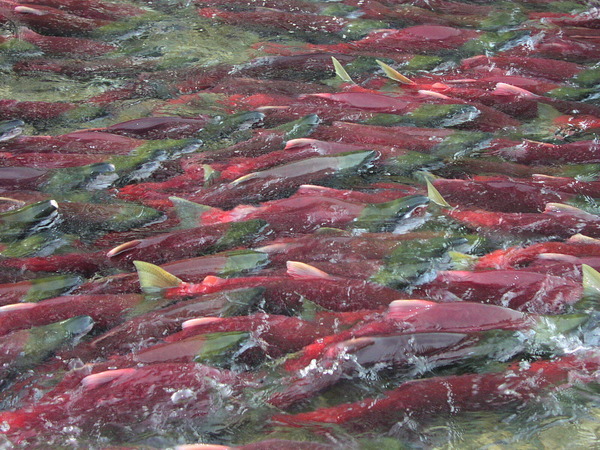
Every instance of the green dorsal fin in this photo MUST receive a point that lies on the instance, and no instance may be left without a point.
(591, 281)
(393, 74)
(210, 175)
(435, 196)
(153, 277)
(340, 71)
(462, 261)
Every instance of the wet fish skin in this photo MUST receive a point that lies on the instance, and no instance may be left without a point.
(396, 350)
(499, 195)
(284, 294)
(152, 322)
(187, 243)
(549, 223)
(37, 289)
(280, 181)
(10, 129)
(340, 247)
(277, 334)
(121, 390)
(303, 66)
(105, 310)
(544, 68)
(24, 349)
(116, 67)
(87, 264)
(59, 45)
(304, 214)
(18, 223)
(410, 14)
(223, 264)
(52, 21)
(515, 257)
(33, 110)
(49, 160)
(93, 9)
(558, 46)
(279, 20)
(529, 152)
(430, 396)
(86, 142)
(158, 127)
(420, 316)
(517, 289)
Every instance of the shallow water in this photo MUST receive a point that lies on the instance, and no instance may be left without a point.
(168, 60)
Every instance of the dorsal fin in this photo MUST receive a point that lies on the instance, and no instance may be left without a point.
(210, 175)
(462, 261)
(341, 72)
(29, 10)
(544, 177)
(153, 277)
(203, 447)
(435, 196)
(393, 74)
(296, 269)
(591, 281)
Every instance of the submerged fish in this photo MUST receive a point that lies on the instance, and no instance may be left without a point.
(469, 392)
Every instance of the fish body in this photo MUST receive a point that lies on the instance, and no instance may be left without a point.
(283, 294)
(105, 310)
(61, 45)
(154, 323)
(117, 399)
(502, 195)
(430, 396)
(79, 142)
(517, 289)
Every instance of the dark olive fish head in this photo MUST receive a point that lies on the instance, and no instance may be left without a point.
(10, 129)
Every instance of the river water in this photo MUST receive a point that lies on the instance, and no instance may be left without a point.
(497, 92)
